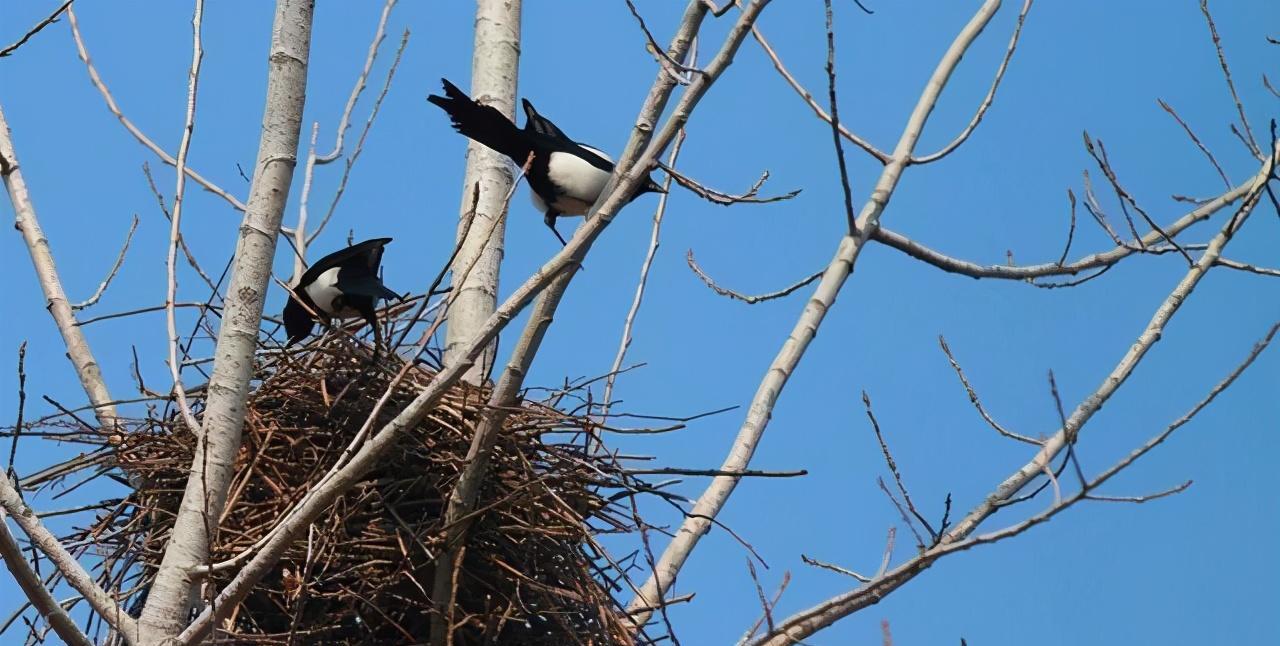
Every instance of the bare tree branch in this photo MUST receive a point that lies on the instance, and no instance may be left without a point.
(977, 403)
(807, 622)
(654, 241)
(25, 221)
(34, 588)
(74, 573)
(1196, 140)
(175, 222)
(720, 197)
(835, 120)
(991, 93)
(111, 274)
(300, 238)
(49, 20)
(745, 298)
(1248, 139)
(1092, 261)
(808, 97)
(709, 504)
(129, 125)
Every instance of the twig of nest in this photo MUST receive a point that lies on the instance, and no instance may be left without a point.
(532, 572)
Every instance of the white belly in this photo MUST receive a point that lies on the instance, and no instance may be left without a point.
(579, 182)
(325, 294)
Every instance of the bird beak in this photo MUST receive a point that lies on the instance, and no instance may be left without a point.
(654, 187)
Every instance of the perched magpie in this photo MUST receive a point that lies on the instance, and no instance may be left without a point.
(343, 284)
(566, 176)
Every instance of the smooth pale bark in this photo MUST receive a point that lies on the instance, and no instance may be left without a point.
(72, 571)
(25, 221)
(495, 62)
(32, 586)
(505, 396)
(172, 593)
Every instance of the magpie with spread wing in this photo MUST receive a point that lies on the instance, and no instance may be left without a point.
(343, 284)
(566, 176)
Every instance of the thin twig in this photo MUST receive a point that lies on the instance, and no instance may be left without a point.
(778, 65)
(835, 568)
(175, 222)
(748, 299)
(835, 120)
(50, 19)
(893, 467)
(1196, 140)
(977, 403)
(115, 267)
(142, 138)
(988, 99)
(1144, 498)
(655, 238)
(660, 53)
(722, 198)
(364, 134)
(1071, 228)
(1248, 139)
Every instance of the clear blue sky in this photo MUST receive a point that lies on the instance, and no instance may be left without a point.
(1199, 568)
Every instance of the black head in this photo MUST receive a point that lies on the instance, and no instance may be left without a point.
(298, 322)
(651, 186)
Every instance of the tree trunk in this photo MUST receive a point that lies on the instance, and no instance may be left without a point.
(495, 62)
(171, 594)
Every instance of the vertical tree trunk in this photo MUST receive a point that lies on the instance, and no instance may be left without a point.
(171, 594)
(495, 62)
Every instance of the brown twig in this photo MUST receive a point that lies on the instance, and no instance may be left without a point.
(364, 135)
(835, 120)
(778, 65)
(50, 19)
(111, 274)
(893, 469)
(722, 198)
(1247, 138)
(748, 299)
(142, 138)
(977, 403)
(1196, 140)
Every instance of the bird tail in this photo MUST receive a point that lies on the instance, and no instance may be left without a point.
(481, 123)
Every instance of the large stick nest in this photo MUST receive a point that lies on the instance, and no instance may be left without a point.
(531, 573)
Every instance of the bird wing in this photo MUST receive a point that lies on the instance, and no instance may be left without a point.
(371, 249)
(534, 122)
(362, 284)
(482, 123)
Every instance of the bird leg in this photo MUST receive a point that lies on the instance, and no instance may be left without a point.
(550, 219)
(370, 315)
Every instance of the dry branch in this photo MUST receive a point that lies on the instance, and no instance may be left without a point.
(961, 535)
(709, 504)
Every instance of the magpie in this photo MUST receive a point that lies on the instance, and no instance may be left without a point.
(566, 176)
(343, 284)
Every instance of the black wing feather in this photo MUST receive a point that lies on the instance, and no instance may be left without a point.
(371, 250)
(482, 123)
(535, 122)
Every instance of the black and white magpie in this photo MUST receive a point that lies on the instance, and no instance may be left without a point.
(343, 284)
(566, 176)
